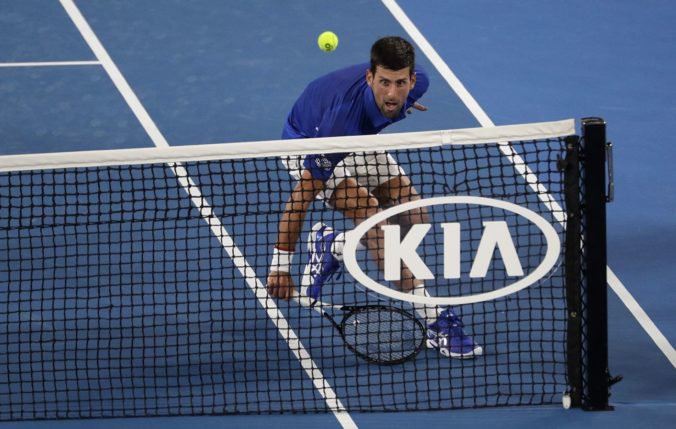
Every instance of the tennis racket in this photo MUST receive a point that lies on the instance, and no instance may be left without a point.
(376, 333)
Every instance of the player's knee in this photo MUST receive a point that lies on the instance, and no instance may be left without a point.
(420, 215)
(360, 199)
(413, 217)
(370, 205)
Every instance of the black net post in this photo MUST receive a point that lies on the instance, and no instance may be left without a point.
(574, 350)
(595, 262)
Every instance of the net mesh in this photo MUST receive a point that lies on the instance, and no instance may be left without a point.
(138, 289)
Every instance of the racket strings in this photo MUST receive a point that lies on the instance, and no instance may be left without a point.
(383, 335)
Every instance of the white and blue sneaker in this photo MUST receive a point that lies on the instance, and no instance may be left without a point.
(322, 264)
(447, 336)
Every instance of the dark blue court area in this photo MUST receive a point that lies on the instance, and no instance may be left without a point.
(82, 75)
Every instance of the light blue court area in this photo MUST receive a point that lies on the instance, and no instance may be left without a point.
(208, 71)
(64, 108)
(39, 31)
(48, 105)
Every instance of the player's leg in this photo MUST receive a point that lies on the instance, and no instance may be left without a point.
(391, 186)
(325, 244)
(384, 178)
(445, 328)
(349, 192)
(397, 190)
(369, 181)
(322, 263)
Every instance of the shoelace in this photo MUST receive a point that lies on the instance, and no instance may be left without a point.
(450, 320)
(337, 272)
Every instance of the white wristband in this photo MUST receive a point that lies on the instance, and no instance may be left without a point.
(281, 260)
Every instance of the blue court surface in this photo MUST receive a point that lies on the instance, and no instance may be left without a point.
(99, 74)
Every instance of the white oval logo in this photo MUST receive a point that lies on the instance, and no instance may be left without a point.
(553, 245)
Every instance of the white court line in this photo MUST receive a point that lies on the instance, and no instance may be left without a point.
(481, 116)
(295, 345)
(642, 317)
(50, 64)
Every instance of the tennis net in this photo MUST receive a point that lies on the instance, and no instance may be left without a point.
(133, 282)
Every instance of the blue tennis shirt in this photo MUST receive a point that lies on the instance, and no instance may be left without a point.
(342, 104)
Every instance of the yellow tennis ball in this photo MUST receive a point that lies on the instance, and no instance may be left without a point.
(327, 41)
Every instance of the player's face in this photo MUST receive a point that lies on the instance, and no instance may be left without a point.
(390, 88)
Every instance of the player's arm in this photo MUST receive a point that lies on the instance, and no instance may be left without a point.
(279, 283)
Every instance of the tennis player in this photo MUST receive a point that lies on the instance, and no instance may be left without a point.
(357, 100)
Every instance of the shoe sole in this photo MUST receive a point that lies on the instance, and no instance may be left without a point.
(477, 351)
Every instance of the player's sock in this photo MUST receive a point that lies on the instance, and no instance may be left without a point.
(338, 245)
(427, 312)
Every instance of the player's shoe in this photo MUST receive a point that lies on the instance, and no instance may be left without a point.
(447, 336)
(322, 265)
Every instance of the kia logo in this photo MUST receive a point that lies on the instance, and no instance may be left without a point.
(495, 235)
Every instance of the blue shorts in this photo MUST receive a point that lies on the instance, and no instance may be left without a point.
(369, 169)
(321, 166)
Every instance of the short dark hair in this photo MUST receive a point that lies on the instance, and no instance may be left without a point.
(393, 53)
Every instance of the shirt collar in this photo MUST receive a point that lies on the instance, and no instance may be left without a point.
(378, 120)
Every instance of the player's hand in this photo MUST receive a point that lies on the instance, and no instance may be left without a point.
(416, 106)
(280, 284)
(420, 107)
